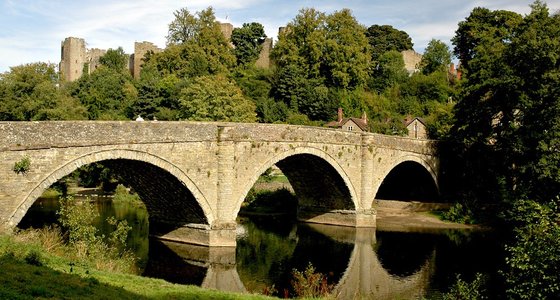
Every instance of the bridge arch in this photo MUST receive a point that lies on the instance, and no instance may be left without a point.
(420, 163)
(309, 152)
(111, 155)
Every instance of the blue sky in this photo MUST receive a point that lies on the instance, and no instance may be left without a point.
(32, 30)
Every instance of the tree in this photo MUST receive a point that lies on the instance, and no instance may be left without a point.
(533, 259)
(384, 38)
(347, 61)
(183, 28)
(248, 42)
(115, 59)
(316, 54)
(215, 98)
(437, 57)
(510, 101)
(105, 93)
(205, 52)
(389, 71)
(32, 92)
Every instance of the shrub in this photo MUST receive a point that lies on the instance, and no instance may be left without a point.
(533, 258)
(467, 291)
(308, 284)
(23, 166)
(458, 213)
(105, 253)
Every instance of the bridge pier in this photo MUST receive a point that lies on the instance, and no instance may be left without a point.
(222, 235)
(351, 218)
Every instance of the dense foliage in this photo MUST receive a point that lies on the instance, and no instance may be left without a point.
(501, 119)
(506, 137)
(321, 62)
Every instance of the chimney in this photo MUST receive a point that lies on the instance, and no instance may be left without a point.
(340, 115)
(364, 117)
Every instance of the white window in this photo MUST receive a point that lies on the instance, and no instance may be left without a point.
(350, 128)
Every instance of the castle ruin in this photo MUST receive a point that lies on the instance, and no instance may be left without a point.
(76, 59)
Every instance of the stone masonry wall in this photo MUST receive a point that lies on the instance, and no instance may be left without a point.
(217, 162)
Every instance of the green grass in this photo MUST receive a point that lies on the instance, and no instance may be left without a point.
(47, 276)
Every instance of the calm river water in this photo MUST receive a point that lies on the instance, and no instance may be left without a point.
(359, 263)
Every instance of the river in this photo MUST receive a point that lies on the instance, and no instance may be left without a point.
(358, 263)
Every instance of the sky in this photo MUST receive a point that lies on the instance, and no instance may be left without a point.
(32, 30)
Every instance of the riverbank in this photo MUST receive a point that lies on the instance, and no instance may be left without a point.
(406, 216)
(27, 271)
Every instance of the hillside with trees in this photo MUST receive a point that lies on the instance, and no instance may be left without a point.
(499, 122)
(320, 62)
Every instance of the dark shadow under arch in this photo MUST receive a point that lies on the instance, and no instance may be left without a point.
(169, 202)
(317, 185)
(408, 181)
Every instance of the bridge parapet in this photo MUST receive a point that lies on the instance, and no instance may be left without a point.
(61, 134)
(290, 133)
(407, 144)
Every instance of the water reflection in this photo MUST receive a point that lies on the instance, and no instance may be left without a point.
(359, 263)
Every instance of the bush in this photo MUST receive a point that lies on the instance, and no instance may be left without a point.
(533, 258)
(309, 284)
(122, 194)
(467, 291)
(105, 253)
(459, 213)
(23, 166)
(279, 201)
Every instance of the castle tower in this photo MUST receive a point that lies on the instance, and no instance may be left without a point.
(227, 30)
(73, 58)
(140, 51)
(264, 57)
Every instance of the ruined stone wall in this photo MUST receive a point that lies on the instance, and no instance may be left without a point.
(227, 30)
(411, 60)
(93, 56)
(264, 56)
(140, 50)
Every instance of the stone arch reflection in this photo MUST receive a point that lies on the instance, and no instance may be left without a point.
(365, 277)
(208, 267)
(267, 256)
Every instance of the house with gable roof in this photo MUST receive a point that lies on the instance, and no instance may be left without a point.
(416, 127)
(349, 124)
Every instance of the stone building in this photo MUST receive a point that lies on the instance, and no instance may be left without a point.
(416, 128)
(411, 61)
(264, 57)
(349, 124)
(73, 58)
(136, 59)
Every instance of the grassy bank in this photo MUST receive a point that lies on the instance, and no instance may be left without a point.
(28, 271)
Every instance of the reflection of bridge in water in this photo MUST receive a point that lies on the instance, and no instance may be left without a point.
(364, 278)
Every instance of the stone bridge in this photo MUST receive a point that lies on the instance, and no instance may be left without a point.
(195, 176)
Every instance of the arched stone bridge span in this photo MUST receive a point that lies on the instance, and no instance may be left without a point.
(194, 176)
